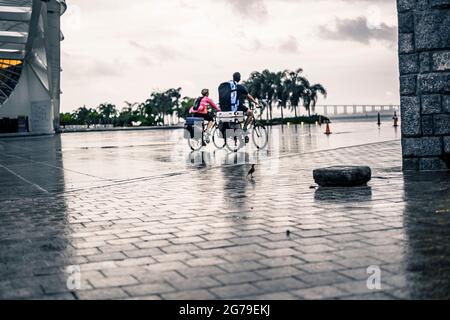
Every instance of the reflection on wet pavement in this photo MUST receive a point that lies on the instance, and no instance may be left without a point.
(143, 217)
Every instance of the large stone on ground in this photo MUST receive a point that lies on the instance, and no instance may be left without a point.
(342, 176)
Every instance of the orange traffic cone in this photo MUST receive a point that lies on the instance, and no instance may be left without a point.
(328, 130)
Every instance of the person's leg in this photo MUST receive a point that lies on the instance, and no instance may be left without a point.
(249, 120)
(209, 117)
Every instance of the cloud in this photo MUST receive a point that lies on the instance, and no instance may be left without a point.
(161, 52)
(290, 45)
(81, 66)
(257, 45)
(249, 8)
(358, 30)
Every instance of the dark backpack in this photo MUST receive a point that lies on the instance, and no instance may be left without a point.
(225, 92)
(197, 103)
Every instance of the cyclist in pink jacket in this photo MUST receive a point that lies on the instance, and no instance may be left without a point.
(202, 111)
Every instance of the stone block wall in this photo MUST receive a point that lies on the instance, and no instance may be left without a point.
(424, 56)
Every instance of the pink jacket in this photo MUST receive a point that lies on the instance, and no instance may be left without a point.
(203, 109)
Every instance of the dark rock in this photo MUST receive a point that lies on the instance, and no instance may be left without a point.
(411, 124)
(410, 164)
(431, 104)
(440, 3)
(446, 158)
(422, 4)
(406, 42)
(427, 125)
(434, 83)
(442, 124)
(441, 61)
(409, 63)
(408, 85)
(405, 5)
(447, 145)
(425, 62)
(422, 147)
(432, 164)
(446, 103)
(432, 29)
(406, 22)
(342, 176)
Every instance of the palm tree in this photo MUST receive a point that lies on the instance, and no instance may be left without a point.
(296, 89)
(282, 92)
(175, 96)
(255, 86)
(311, 95)
(269, 87)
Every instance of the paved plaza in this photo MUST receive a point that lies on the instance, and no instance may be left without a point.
(143, 218)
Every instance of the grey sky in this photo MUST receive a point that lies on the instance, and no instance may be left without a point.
(117, 50)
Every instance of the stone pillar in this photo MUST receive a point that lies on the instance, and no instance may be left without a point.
(424, 54)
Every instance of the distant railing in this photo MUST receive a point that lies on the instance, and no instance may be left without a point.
(356, 110)
(92, 126)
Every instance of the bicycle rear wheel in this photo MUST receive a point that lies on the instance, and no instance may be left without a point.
(218, 139)
(234, 140)
(195, 143)
(260, 136)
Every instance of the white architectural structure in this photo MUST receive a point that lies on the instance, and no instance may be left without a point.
(30, 60)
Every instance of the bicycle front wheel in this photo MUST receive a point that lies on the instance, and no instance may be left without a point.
(260, 136)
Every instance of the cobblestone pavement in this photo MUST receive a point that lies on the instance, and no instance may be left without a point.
(198, 229)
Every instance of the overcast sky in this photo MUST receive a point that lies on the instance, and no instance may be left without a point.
(117, 50)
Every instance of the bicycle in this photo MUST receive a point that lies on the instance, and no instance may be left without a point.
(260, 134)
(238, 139)
(195, 134)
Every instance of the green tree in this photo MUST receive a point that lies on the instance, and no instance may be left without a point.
(147, 113)
(66, 119)
(164, 103)
(184, 107)
(126, 116)
(107, 112)
(83, 116)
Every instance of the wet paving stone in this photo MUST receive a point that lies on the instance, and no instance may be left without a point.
(145, 223)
